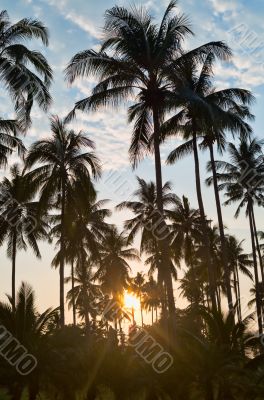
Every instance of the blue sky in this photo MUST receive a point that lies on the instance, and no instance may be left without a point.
(74, 26)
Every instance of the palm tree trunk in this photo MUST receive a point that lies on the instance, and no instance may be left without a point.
(160, 279)
(238, 294)
(141, 309)
(62, 253)
(152, 315)
(258, 300)
(218, 297)
(257, 245)
(14, 249)
(163, 244)
(73, 295)
(203, 295)
(212, 286)
(85, 293)
(259, 257)
(221, 231)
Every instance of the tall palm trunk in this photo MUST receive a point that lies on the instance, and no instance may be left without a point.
(141, 309)
(73, 295)
(258, 300)
(221, 231)
(218, 298)
(257, 245)
(238, 294)
(14, 250)
(163, 244)
(62, 253)
(212, 285)
(160, 279)
(152, 315)
(85, 294)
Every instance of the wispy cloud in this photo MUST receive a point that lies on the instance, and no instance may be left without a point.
(84, 24)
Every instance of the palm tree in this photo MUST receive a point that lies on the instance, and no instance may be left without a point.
(134, 61)
(147, 221)
(137, 287)
(207, 114)
(63, 162)
(238, 262)
(151, 298)
(20, 222)
(113, 271)
(85, 227)
(30, 328)
(9, 141)
(191, 285)
(242, 180)
(25, 73)
(185, 228)
(84, 292)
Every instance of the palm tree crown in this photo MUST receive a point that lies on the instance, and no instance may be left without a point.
(24, 84)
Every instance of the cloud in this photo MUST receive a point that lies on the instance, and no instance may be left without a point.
(84, 24)
(111, 134)
(223, 6)
(77, 17)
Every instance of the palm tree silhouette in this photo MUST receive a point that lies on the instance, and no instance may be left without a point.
(113, 270)
(30, 328)
(134, 61)
(24, 83)
(85, 227)
(137, 286)
(9, 140)
(63, 162)
(242, 180)
(151, 298)
(20, 222)
(238, 262)
(84, 292)
(147, 222)
(206, 114)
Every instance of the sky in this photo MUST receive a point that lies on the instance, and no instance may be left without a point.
(75, 26)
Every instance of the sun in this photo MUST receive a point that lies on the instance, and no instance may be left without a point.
(131, 301)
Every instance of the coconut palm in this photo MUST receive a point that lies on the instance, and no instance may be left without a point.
(9, 140)
(238, 261)
(84, 292)
(85, 227)
(242, 180)
(30, 328)
(151, 298)
(147, 220)
(137, 286)
(113, 271)
(185, 228)
(191, 285)
(206, 115)
(21, 225)
(63, 161)
(135, 58)
(25, 73)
